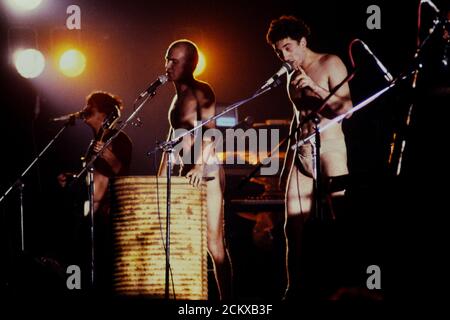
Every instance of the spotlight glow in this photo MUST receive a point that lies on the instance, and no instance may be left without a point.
(72, 63)
(29, 63)
(201, 65)
(24, 4)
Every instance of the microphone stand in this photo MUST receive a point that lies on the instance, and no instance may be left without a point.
(317, 170)
(168, 150)
(398, 148)
(168, 146)
(20, 185)
(316, 145)
(355, 108)
(351, 111)
(323, 128)
(89, 167)
(319, 214)
(314, 117)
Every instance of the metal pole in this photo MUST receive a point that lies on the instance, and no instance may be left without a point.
(169, 176)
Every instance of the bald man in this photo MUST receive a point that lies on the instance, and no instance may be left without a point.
(195, 102)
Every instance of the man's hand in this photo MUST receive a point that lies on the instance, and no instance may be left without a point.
(98, 145)
(195, 175)
(106, 153)
(63, 178)
(302, 80)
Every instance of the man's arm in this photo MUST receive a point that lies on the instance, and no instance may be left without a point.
(206, 103)
(340, 102)
(117, 154)
(108, 156)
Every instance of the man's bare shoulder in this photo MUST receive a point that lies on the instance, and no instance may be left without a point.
(204, 91)
(331, 60)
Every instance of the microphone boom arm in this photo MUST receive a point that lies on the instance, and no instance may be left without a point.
(119, 129)
(282, 142)
(354, 109)
(38, 157)
(169, 144)
(274, 82)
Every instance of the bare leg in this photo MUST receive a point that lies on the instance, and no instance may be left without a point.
(298, 208)
(299, 203)
(216, 243)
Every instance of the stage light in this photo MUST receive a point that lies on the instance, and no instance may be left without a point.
(201, 65)
(24, 4)
(72, 63)
(29, 63)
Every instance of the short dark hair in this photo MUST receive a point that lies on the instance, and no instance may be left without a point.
(191, 49)
(104, 101)
(287, 26)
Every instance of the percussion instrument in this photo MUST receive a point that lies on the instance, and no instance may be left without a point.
(138, 215)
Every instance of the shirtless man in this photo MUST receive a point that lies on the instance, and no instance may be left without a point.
(194, 102)
(314, 76)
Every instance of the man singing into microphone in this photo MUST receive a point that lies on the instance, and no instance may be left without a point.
(114, 160)
(314, 76)
(195, 102)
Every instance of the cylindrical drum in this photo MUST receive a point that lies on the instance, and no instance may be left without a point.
(139, 234)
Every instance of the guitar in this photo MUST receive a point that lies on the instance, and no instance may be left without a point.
(101, 181)
(108, 124)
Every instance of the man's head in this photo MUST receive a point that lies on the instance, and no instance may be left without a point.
(181, 60)
(99, 104)
(287, 27)
(288, 36)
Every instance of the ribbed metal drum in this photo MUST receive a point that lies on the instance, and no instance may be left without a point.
(139, 233)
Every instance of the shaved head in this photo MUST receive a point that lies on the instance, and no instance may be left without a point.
(190, 49)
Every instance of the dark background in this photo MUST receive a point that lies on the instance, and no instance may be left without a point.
(125, 45)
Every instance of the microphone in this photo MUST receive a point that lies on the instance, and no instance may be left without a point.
(151, 88)
(285, 68)
(431, 4)
(386, 73)
(70, 116)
